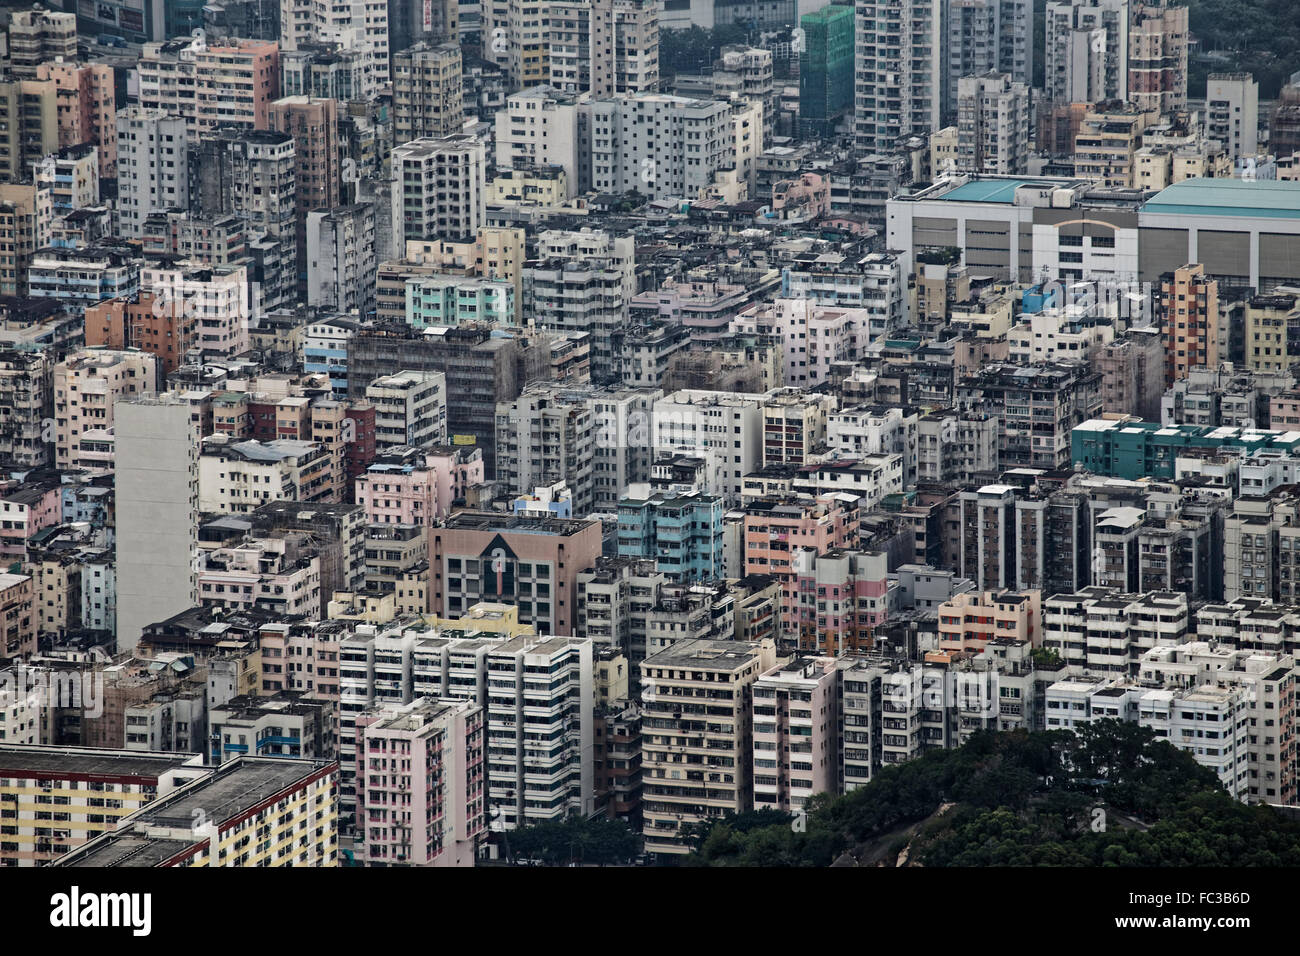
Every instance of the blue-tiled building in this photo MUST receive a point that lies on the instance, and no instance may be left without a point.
(682, 533)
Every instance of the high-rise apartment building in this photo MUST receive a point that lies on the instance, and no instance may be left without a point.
(899, 72)
(985, 36)
(427, 92)
(252, 174)
(697, 741)
(156, 485)
(1187, 308)
(87, 109)
(796, 733)
(992, 125)
(39, 36)
(1086, 51)
(624, 46)
(1157, 57)
(515, 38)
(1232, 113)
(25, 399)
(152, 171)
(29, 125)
(341, 258)
(211, 86)
(423, 799)
(638, 144)
(88, 385)
(25, 216)
(532, 562)
(312, 121)
(439, 188)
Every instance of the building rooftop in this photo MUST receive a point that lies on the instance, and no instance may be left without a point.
(230, 792)
(60, 762)
(993, 190)
(1228, 197)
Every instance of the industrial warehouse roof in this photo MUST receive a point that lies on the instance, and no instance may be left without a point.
(1229, 197)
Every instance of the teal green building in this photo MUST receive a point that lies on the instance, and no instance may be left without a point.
(825, 69)
(1136, 450)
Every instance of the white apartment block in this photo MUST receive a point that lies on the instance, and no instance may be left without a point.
(876, 430)
(1210, 723)
(1056, 335)
(535, 691)
(1232, 113)
(410, 409)
(661, 146)
(898, 90)
(725, 428)
(151, 166)
(539, 126)
(875, 283)
(813, 337)
(236, 477)
(1086, 52)
(439, 188)
(1106, 631)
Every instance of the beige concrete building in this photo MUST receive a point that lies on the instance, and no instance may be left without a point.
(18, 618)
(625, 47)
(94, 790)
(1108, 139)
(87, 109)
(697, 738)
(427, 92)
(29, 125)
(87, 385)
(39, 36)
(1187, 307)
(25, 216)
(1267, 319)
(1157, 56)
(968, 622)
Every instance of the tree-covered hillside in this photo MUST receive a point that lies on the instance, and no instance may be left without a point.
(1110, 795)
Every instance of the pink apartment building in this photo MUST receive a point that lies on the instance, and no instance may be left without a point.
(796, 733)
(411, 486)
(967, 622)
(236, 85)
(87, 108)
(423, 800)
(1284, 411)
(774, 530)
(841, 596)
(26, 511)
